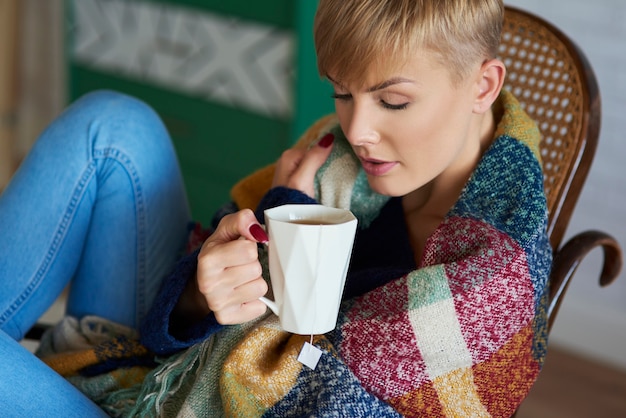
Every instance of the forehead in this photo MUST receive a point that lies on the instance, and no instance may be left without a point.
(419, 66)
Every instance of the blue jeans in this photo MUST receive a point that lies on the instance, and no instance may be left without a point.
(98, 204)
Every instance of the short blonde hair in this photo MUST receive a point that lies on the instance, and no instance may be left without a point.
(356, 36)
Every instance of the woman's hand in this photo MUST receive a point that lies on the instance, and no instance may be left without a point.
(228, 280)
(296, 167)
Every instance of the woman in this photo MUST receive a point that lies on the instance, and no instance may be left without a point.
(444, 307)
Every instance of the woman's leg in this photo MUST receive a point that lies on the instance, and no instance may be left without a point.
(98, 201)
(29, 388)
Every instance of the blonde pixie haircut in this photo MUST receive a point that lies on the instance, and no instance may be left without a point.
(353, 37)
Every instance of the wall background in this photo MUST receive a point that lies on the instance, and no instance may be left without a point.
(40, 84)
(592, 321)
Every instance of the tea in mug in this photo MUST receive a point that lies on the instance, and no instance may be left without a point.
(311, 222)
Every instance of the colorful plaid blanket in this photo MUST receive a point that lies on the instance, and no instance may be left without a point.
(464, 335)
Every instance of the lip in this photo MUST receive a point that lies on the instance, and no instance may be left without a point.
(375, 167)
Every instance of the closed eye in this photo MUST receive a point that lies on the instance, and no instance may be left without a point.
(338, 96)
(390, 106)
(384, 104)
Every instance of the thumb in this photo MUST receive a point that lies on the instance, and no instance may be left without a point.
(237, 225)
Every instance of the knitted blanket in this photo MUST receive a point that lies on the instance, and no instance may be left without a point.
(464, 335)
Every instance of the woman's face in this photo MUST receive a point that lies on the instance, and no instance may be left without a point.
(410, 127)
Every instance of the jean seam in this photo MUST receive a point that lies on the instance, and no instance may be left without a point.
(126, 162)
(57, 241)
(63, 226)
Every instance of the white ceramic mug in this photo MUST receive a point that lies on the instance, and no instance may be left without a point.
(309, 253)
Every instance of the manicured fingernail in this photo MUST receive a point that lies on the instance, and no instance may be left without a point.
(327, 140)
(258, 233)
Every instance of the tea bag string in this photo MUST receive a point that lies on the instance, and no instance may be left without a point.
(318, 257)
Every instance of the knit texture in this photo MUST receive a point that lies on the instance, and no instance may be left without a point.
(463, 335)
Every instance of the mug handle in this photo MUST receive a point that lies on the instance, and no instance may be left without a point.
(270, 304)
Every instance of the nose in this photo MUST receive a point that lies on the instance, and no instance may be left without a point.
(359, 126)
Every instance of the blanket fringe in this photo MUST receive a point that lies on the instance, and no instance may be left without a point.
(169, 377)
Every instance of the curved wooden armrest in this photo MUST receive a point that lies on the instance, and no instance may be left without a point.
(568, 258)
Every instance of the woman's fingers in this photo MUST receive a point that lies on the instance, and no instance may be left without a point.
(228, 266)
(245, 305)
(219, 256)
(296, 168)
(229, 274)
(236, 225)
(229, 292)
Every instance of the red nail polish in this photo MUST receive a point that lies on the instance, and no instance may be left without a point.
(259, 233)
(327, 140)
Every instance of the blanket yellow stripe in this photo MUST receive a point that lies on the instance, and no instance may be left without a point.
(458, 396)
(261, 370)
(68, 364)
(517, 124)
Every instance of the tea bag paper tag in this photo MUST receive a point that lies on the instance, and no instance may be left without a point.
(310, 355)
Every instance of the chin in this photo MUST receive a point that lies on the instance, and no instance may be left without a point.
(385, 187)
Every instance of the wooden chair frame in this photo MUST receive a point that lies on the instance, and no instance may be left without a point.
(552, 78)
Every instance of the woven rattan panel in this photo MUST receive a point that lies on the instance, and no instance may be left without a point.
(542, 76)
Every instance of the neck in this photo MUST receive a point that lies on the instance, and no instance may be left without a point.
(438, 196)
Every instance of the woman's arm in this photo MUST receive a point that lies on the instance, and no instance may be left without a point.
(161, 331)
(218, 284)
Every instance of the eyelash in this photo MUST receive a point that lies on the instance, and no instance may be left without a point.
(345, 97)
(394, 107)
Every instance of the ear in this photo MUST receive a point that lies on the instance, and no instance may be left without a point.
(489, 83)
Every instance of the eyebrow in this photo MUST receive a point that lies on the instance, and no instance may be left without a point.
(392, 81)
(387, 83)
